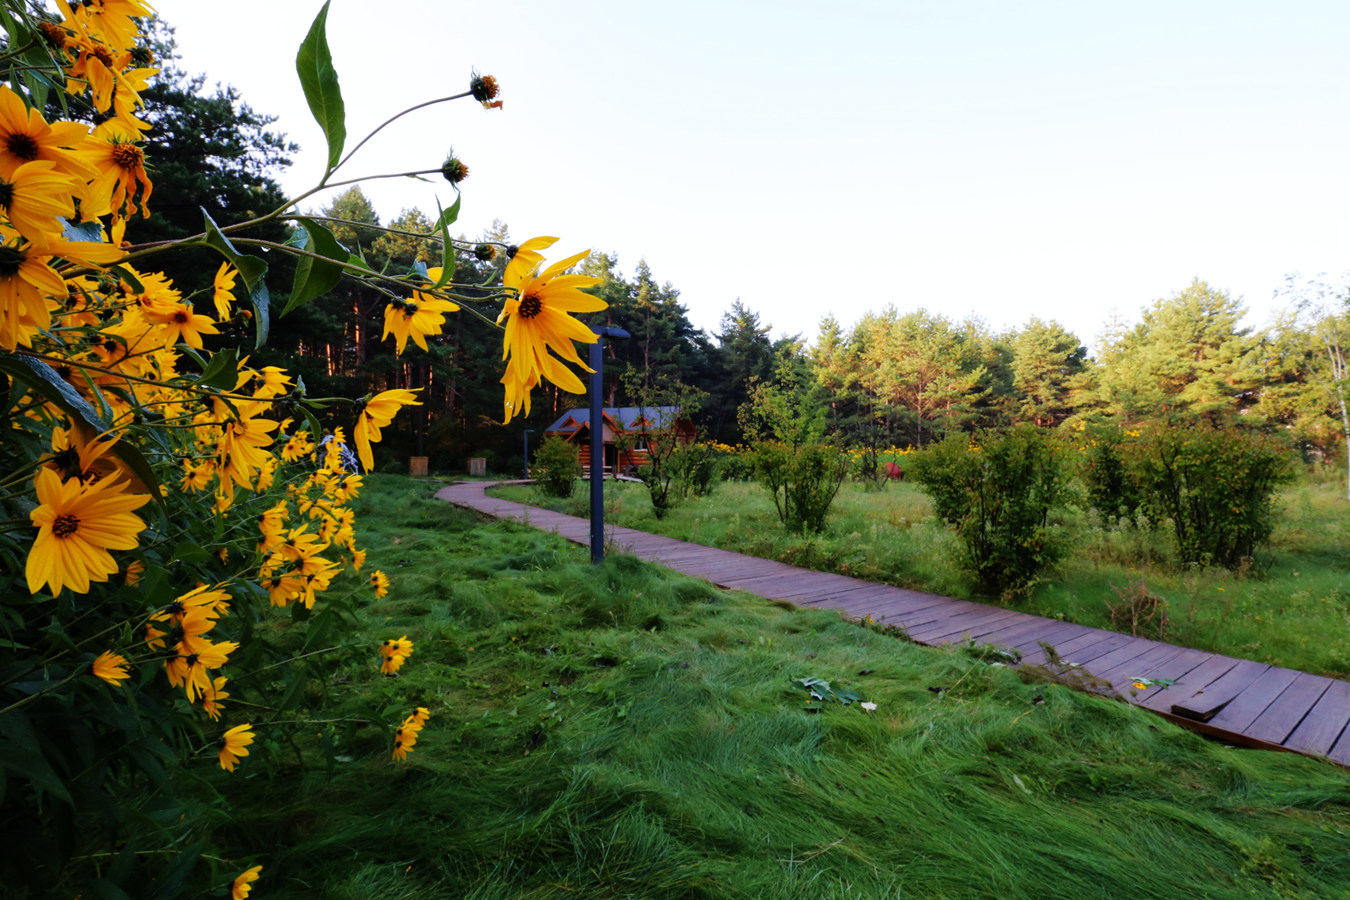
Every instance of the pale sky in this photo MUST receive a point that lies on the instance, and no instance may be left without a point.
(1064, 160)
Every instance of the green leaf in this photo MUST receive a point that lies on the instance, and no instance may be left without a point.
(223, 370)
(251, 269)
(314, 277)
(443, 223)
(319, 80)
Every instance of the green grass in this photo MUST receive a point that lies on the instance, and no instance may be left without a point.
(1292, 613)
(622, 732)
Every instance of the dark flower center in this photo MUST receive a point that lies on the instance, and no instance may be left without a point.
(531, 305)
(10, 260)
(128, 157)
(23, 146)
(6, 194)
(65, 525)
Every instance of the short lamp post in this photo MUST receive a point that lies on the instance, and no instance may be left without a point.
(528, 432)
(598, 443)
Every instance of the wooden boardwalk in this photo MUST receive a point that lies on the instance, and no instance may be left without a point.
(1237, 700)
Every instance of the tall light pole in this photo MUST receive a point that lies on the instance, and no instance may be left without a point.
(598, 443)
(528, 432)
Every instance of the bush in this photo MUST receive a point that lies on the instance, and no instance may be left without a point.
(695, 467)
(997, 491)
(1109, 488)
(803, 480)
(1216, 485)
(557, 465)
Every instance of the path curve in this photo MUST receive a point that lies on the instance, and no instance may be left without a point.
(1237, 700)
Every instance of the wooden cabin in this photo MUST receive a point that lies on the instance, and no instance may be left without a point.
(629, 425)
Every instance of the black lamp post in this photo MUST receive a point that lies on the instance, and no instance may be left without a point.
(598, 443)
(528, 432)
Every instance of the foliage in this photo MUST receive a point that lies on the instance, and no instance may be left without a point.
(996, 490)
(557, 466)
(1216, 485)
(696, 469)
(1101, 466)
(666, 406)
(623, 731)
(181, 549)
(785, 419)
(1293, 616)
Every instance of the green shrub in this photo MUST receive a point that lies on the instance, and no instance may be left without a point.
(996, 491)
(557, 466)
(803, 480)
(695, 468)
(1109, 488)
(1216, 485)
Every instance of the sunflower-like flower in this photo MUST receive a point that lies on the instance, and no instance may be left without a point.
(222, 291)
(231, 746)
(77, 525)
(524, 259)
(214, 699)
(539, 324)
(34, 197)
(111, 667)
(393, 654)
(405, 736)
(380, 582)
(240, 887)
(376, 413)
(422, 315)
(25, 136)
(121, 166)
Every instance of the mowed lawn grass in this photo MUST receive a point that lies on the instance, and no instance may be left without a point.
(1292, 609)
(624, 732)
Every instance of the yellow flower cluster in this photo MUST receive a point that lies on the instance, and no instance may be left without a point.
(405, 736)
(393, 654)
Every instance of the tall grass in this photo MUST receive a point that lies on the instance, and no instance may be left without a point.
(624, 732)
(1292, 609)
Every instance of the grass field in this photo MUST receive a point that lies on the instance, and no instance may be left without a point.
(1294, 611)
(622, 732)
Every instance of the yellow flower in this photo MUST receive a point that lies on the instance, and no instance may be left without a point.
(376, 413)
(380, 582)
(240, 887)
(539, 324)
(523, 260)
(180, 322)
(25, 136)
(222, 291)
(77, 525)
(121, 165)
(416, 317)
(111, 667)
(231, 746)
(214, 699)
(393, 654)
(34, 197)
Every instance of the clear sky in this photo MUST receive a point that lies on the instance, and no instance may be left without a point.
(1066, 160)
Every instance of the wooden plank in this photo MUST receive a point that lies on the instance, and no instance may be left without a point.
(972, 629)
(1325, 722)
(1279, 720)
(964, 624)
(1340, 751)
(1037, 629)
(1191, 671)
(1100, 657)
(1206, 702)
(1075, 647)
(1142, 666)
(1239, 714)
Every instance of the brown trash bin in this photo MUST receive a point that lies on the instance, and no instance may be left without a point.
(478, 466)
(417, 466)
